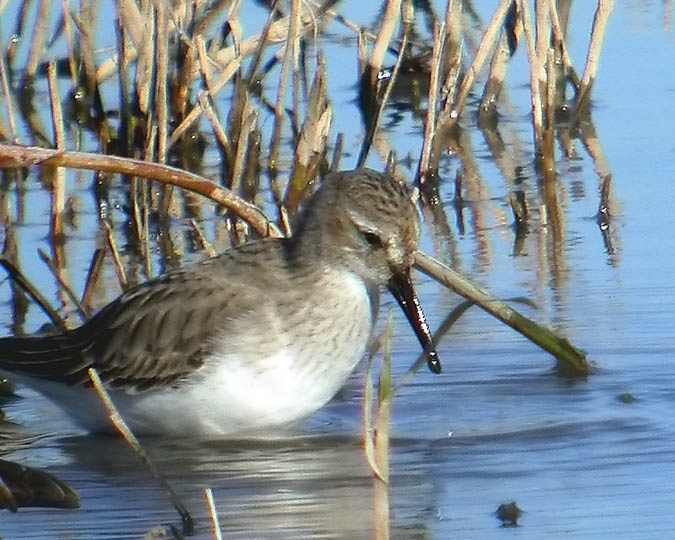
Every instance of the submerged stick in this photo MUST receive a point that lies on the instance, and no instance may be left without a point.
(213, 513)
(571, 359)
(382, 427)
(123, 429)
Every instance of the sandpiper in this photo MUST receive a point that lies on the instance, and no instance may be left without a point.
(260, 336)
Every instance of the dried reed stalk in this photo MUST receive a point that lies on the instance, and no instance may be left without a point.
(213, 514)
(70, 42)
(486, 45)
(82, 311)
(408, 19)
(390, 20)
(559, 38)
(499, 64)
(201, 239)
(535, 88)
(12, 156)
(382, 427)
(145, 64)
(452, 54)
(9, 107)
(123, 429)
(93, 275)
(117, 260)
(423, 171)
(196, 111)
(311, 146)
(24, 283)
(290, 61)
(602, 13)
(570, 359)
(58, 192)
(39, 40)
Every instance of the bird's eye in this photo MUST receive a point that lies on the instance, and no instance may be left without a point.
(372, 239)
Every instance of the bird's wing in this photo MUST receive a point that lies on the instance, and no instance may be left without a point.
(153, 335)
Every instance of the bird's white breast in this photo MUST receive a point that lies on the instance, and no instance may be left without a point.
(237, 394)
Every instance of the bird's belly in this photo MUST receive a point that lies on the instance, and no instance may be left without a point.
(237, 398)
(243, 392)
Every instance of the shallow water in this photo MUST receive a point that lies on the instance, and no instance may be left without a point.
(498, 424)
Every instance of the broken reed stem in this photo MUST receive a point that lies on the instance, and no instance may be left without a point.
(382, 425)
(408, 19)
(112, 246)
(560, 41)
(548, 149)
(161, 82)
(543, 35)
(55, 102)
(93, 275)
(497, 74)
(279, 109)
(368, 428)
(430, 124)
(13, 156)
(213, 514)
(82, 311)
(22, 281)
(121, 426)
(486, 45)
(389, 22)
(452, 54)
(4, 81)
(535, 88)
(70, 42)
(161, 101)
(249, 117)
(144, 63)
(570, 359)
(58, 191)
(196, 111)
(337, 153)
(217, 127)
(203, 242)
(37, 45)
(602, 13)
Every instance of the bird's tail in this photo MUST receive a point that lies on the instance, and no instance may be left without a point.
(54, 358)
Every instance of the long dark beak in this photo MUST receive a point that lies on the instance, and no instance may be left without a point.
(402, 288)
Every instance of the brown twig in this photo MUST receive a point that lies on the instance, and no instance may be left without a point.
(486, 45)
(12, 156)
(290, 60)
(22, 281)
(92, 278)
(203, 242)
(571, 359)
(4, 81)
(535, 78)
(59, 181)
(123, 429)
(213, 514)
(37, 45)
(430, 126)
(112, 246)
(602, 13)
(81, 309)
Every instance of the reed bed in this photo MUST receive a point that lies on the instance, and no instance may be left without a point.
(146, 100)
